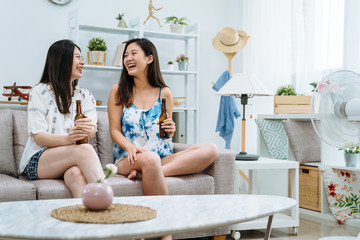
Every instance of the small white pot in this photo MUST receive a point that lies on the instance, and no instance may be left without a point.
(176, 28)
(122, 24)
(183, 66)
(351, 159)
(171, 67)
(97, 58)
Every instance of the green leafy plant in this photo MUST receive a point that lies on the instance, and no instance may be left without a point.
(182, 58)
(170, 63)
(314, 85)
(352, 150)
(175, 20)
(97, 44)
(286, 90)
(120, 16)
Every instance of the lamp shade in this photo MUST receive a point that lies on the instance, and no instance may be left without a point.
(244, 83)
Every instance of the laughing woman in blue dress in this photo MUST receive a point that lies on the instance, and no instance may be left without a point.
(134, 107)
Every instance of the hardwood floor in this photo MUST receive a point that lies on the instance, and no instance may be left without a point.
(308, 230)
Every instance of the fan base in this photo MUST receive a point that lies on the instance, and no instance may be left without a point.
(243, 156)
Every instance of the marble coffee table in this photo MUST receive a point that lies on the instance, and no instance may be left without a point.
(175, 214)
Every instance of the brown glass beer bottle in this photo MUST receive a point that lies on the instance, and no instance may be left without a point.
(79, 115)
(164, 115)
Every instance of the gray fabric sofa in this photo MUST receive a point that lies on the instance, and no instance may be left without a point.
(216, 179)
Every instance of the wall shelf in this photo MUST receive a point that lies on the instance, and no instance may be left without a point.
(115, 30)
(111, 68)
(166, 35)
(188, 42)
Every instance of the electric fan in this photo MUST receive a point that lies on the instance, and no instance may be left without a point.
(335, 114)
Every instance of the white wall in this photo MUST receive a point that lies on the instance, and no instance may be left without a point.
(28, 28)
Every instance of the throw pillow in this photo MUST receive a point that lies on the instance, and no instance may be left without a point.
(343, 192)
(274, 136)
(7, 160)
(303, 141)
(105, 143)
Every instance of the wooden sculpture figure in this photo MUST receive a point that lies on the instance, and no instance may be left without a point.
(151, 7)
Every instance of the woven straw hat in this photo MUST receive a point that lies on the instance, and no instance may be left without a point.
(230, 40)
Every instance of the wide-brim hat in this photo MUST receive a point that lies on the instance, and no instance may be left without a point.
(230, 40)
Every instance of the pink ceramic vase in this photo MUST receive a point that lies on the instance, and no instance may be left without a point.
(97, 196)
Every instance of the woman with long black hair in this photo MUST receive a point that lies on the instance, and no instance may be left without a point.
(51, 152)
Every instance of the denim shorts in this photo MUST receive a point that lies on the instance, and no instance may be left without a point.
(31, 167)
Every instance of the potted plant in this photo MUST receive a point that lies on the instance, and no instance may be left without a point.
(97, 47)
(351, 155)
(176, 24)
(122, 22)
(286, 90)
(182, 61)
(286, 100)
(170, 65)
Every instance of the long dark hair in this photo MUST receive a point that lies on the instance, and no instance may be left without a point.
(57, 71)
(125, 94)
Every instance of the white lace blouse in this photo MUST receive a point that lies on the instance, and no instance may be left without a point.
(44, 116)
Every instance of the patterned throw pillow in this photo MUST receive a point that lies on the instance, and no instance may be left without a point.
(342, 188)
(274, 135)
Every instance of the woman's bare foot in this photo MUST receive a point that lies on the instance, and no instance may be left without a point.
(132, 174)
(168, 237)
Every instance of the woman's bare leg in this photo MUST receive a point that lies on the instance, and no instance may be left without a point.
(149, 164)
(191, 160)
(55, 161)
(75, 181)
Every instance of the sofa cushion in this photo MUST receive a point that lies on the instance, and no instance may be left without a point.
(105, 143)
(193, 184)
(21, 134)
(49, 188)
(13, 189)
(303, 141)
(7, 160)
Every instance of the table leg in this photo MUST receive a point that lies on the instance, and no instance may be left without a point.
(220, 237)
(251, 183)
(268, 228)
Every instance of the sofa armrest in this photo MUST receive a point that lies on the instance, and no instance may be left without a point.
(222, 170)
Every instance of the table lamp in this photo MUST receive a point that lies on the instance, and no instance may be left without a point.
(244, 86)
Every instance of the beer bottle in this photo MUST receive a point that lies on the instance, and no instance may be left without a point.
(164, 115)
(79, 115)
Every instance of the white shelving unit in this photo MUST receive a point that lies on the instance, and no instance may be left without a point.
(188, 86)
(328, 154)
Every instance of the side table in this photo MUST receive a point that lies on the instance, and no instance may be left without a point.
(279, 220)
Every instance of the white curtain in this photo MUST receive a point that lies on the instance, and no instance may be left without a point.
(352, 36)
(293, 42)
(268, 23)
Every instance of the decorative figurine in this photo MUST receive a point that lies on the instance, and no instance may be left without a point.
(22, 92)
(151, 7)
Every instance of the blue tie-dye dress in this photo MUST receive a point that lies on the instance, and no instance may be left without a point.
(139, 127)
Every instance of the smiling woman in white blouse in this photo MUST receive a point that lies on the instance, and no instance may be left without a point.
(50, 151)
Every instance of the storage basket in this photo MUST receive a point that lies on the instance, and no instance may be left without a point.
(309, 188)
